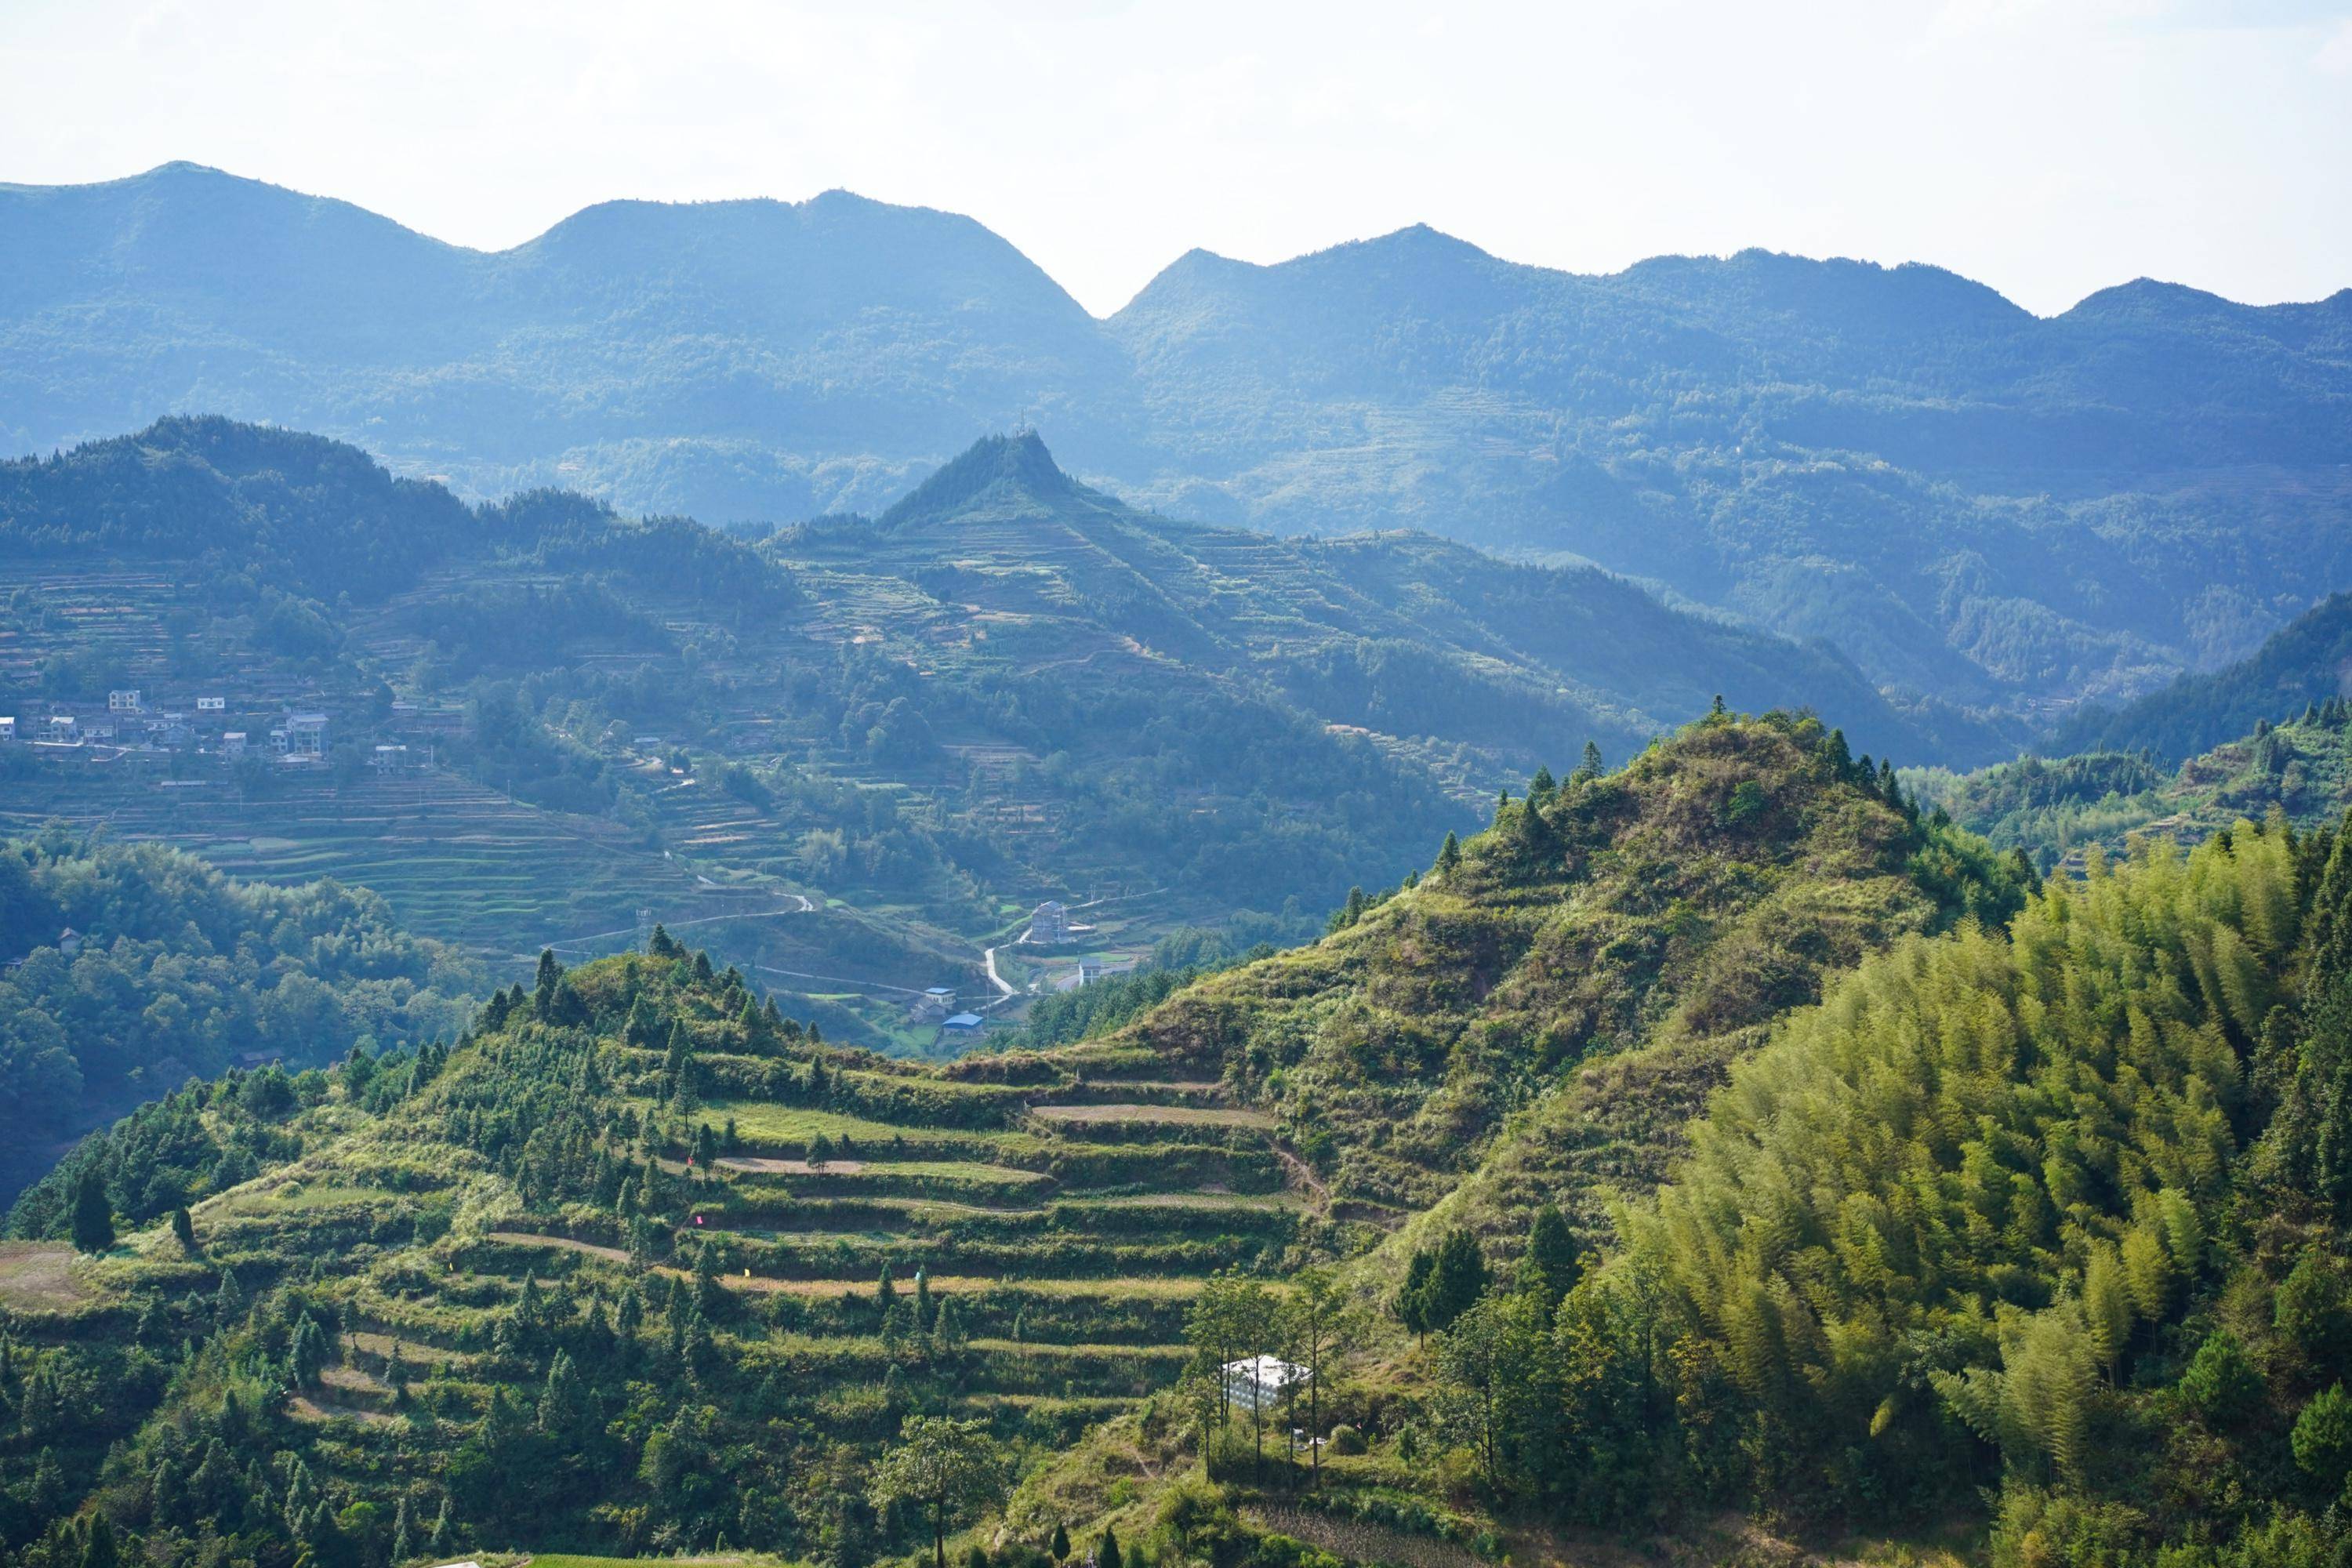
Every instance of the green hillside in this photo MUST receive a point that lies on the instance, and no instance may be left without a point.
(642, 1191)
(2058, 808)
(2305, 662)
(134, 969)
(852, 756)
(1715, 1153)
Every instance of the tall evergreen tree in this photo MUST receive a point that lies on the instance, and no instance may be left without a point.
(94, 1215)
(1449, 854)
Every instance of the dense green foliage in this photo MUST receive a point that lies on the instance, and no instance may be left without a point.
(2057, 809)
(178, 972)
(303, 513)
(2061, 1211)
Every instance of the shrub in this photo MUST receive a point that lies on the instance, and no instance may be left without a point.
(1346, 1439)
(2221, 1382)
(2322, 1438)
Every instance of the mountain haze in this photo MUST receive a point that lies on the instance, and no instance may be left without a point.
(1964, 499)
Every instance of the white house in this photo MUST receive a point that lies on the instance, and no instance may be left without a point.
(63, 727)
(212, 704)
(1261, 1381)
(7, 727)
(302, 738)
(233, 743)
(124, 701)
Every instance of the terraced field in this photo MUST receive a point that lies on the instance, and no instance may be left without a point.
(1041, 1249)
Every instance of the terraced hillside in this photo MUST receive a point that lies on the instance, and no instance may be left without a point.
(639, 1182)
(850, 759)
(1532, 1022)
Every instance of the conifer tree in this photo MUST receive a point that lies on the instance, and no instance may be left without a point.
(1449, 855)
(1553, 1261)
(94, 1215)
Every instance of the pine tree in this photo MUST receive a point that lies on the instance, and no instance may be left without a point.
(1553, 1261)
(1060, 1546)
(1456, 1280)
(1535, 833)
(1591, 767)
(550, 972)
(1107, 1555)
(184, 1230)
(1449, 855)
(100, 1551)
(1541, 786)
(93, 1216)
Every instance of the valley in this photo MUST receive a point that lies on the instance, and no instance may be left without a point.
(1690, 917)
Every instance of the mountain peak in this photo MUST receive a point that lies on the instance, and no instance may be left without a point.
(1018, 463)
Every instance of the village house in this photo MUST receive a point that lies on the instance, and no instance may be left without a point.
(302, 739)
(7, 727)
(233, 744)
(124, 701)
(1049, 925)
(212, 704)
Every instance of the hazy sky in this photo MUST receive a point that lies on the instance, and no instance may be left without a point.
(2048, 147)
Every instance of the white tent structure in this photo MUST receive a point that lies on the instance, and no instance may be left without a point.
(1258, 1383)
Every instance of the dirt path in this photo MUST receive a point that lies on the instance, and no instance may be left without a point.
(1302, 1174)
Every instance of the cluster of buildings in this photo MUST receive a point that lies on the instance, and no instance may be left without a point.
(295, 739)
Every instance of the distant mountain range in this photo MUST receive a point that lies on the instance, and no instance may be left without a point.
(1967, 500)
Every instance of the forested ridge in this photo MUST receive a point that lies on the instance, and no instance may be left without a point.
(134, 968)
